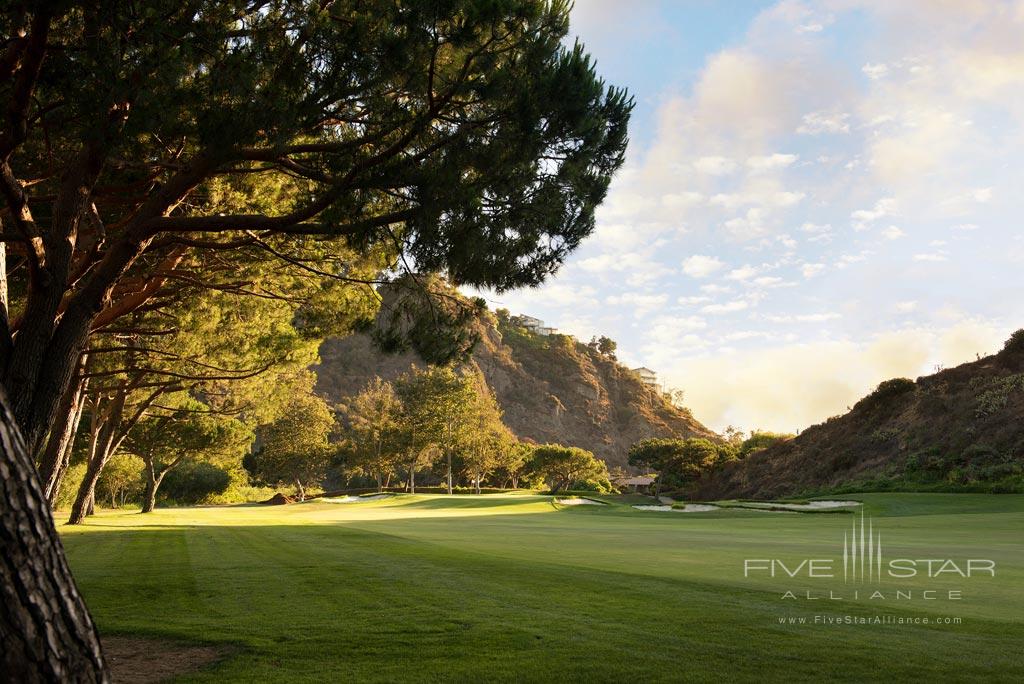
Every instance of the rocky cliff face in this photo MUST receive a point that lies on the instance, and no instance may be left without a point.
(551, 388)
(961, 429)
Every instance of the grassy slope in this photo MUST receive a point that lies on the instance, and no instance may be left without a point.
(956, 430)
(506, 588)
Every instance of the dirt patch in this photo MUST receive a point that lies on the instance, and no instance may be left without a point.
(135, 660)
(278, 499)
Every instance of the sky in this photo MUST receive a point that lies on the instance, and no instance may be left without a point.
(817, 196)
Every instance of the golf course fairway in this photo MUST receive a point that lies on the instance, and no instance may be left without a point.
(515, 588)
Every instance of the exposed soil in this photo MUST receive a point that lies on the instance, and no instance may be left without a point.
(278, 499)
(137, 660)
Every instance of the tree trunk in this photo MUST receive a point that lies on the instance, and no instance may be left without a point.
(302, 492)
(46, 630)
(412, 478)
(57, 456)
(478, 484)
(449, 452)
(380, 483)
(85, 502)
(6, 341)
(152, 483)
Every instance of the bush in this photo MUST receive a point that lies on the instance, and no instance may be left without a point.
(998, 394)
(760, 440)
(194, 482)
(1015, 344)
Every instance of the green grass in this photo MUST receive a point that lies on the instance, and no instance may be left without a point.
(507, 588)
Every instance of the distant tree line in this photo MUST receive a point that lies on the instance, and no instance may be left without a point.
(680, 463)
(445, 426)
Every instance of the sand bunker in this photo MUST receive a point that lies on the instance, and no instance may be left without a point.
(810, 506)
(688, 508)
(354, 499)
(579, 501)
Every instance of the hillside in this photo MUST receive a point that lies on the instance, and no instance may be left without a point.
(551, 388)
(959, 429)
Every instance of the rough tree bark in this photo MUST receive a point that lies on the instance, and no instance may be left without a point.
(46, 630)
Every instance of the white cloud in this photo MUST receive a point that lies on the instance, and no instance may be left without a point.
(966, 226)
(893, 233)
(816, 123)
(749, 225)
(982, 195)
(816, 229)
(640, 302)
(804, 318)
(701, 266)
(875, 71)
(712, 288)
(714, 166)
(742, 273)
(811, 270)
(883, 207)
(906, 307)
(930, 256)
(771, 162)
(769, 281)
(728, 307)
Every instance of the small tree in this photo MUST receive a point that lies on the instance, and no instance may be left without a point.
(121, 479)
(294, 448)
(512, 462)
(607, 346)
(561, 466)
(437, 409)
(188, 431)
(373, 431)
(487, 439)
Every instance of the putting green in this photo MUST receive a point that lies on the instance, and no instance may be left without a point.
(511, 587)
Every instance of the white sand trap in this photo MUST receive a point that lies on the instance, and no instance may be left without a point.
(354, 499)
(579, 501)
(832, 504)
(811, 506)
(688, 508)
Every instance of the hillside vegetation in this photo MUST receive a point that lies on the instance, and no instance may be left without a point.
(550, 388)
(961, 429)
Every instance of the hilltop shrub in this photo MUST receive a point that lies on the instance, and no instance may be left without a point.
(760, 440)
(1015, 344)
(887, 389)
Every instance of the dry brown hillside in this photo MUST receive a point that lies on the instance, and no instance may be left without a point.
(551, 388)
(961, 429)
